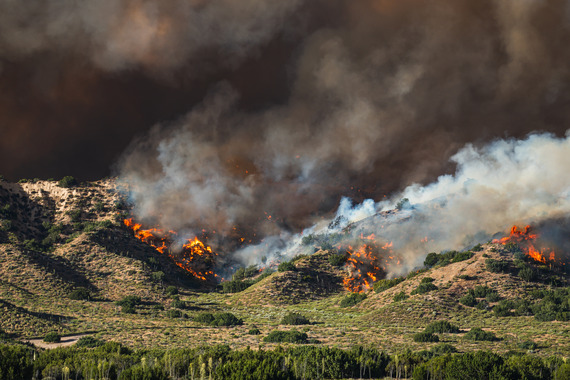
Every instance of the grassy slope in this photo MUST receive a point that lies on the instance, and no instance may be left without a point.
(34, 288)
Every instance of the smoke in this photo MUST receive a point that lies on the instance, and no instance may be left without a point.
(79, 79)
(376, 103)
(508, 182)
(505, 183)
(160, 37)
(264, 114)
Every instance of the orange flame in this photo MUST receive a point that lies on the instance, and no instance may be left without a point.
(526, 240)
(363, 264)
(187, 259)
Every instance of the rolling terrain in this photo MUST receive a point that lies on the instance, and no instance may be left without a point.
(67, 261)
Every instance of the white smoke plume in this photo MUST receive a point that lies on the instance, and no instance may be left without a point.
(505, 183)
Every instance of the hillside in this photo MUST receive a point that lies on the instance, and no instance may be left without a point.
(54, 240)
(57, 242)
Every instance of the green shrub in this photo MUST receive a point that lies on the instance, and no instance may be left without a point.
(427, 280)
(337, 260)
(441, 327)
(481, 291)
(80, 294)
(74, 215)
(171, 290)
(352, 299)
(466, 277)
(128, 308)
(174, 313)
(52, 337)
(89, 342)
(128, 304)
(445, 258)
(218, 319)
(292, 336)
(384, 284)
(400, 296)
(242, 273)
(286, 266)
(67, 181)
(5, 225)
(563, 372)
(205, 318)
(443, 348)
(482, 305)
(254, 331)
(236, 286)
(425, 337)
(462, 256)
(478, 334)
(431, 259)
(178, 304)
(528, 345)
(502, 309)
(424, 288)
(294, 319)
(496, 266)
(99, 206)
(477, 248)
(129, 300)
(157, 276)
(492, 296)
(468, 299)
(226, 319)
(527, 274)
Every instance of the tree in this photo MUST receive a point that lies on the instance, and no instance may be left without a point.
(80, 294)
(431, 259)
(425, 337)
(441, 327)
(67, 182)
(52, 337)
(477, 333)
(352, 299)
(294, 319)
(292, 336)
(286, 266)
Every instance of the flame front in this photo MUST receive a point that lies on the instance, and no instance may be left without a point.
(526, 241)
(195, 254)
(364, 264)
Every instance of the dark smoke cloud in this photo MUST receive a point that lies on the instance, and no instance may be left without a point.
(79, 79)
(378, 102)
(303, 101)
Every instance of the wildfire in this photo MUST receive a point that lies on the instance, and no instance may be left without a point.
(526, 241)
(364, 264)
(194, 254)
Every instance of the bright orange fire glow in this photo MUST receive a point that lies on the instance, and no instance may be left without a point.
(364, 264)
(195, 254)
(526, 241)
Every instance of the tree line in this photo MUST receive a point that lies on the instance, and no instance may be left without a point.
(112, 360)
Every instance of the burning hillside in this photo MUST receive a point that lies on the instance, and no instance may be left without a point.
(191, 255)
(367, 263)
(527, 242)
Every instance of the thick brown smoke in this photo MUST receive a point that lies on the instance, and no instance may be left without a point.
(303, 101)
(376, 103)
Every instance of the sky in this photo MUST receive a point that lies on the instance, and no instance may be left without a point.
(236, 112)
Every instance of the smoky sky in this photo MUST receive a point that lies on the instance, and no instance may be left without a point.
(264, 114)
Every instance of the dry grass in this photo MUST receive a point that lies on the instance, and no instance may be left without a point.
(34, 288)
